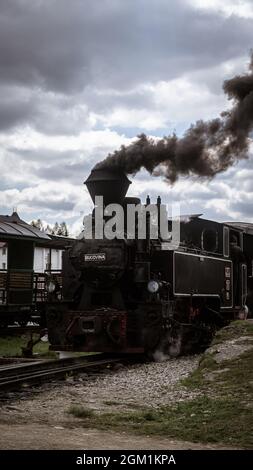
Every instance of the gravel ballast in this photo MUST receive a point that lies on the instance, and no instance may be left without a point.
(120, 388)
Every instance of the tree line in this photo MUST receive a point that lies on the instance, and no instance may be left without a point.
(56, 229)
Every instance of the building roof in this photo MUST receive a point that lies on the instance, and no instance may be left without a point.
(186, 217)
(244, 226)
(13, 226)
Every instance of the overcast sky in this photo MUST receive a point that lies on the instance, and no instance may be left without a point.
(79, 78)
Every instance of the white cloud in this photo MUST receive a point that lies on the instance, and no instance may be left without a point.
(30, 139)
(167, 105)
(242, 8)
(78, 84)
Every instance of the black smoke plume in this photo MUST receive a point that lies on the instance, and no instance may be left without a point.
(206, 148)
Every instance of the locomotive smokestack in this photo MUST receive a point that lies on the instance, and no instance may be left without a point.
(111, 184)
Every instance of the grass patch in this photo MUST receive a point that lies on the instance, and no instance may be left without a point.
(223, 413)
(12, 347)
(238, 378)
(196, 378)
(200, 420)
(240, 373)
(80, 412)
(234, 330)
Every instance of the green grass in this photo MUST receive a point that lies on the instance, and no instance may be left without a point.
(80, 411)
(240, 373)
(196, 379)
(222, 413)
(12, 347)
(201, 420)
(234, 330)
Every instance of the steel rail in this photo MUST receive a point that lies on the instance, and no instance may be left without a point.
(13, 377)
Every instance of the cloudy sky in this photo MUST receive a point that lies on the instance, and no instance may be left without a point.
(80, 78)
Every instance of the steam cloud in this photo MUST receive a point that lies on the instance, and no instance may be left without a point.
(207, 148)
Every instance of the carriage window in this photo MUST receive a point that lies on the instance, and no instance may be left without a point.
(226, 242)
(3, 254)
(209, 240)
(241, 240)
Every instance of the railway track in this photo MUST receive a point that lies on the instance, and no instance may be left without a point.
(13, 376)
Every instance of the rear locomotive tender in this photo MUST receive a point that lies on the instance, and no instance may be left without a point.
(134, 296)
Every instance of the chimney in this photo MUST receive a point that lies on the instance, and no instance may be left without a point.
(112, 185)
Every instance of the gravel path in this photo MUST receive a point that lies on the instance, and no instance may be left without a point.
(46, 437)
(37, 419)
(151, 384)
(127, 387)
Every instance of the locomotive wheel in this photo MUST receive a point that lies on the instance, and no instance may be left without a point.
(54, 317)
(152, 340)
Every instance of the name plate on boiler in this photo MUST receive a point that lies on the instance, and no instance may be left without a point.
(95, 257)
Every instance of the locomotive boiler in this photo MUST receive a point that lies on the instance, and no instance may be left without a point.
(126, 295)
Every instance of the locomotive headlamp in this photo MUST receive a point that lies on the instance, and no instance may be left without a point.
(153, 286)
(50, 287)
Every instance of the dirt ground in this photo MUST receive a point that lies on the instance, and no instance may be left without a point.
(37, 417)
(45, 437)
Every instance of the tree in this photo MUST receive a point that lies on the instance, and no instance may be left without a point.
(49, 230)
(37, 224)
(60, 229)
(63, 230)
(55, 228)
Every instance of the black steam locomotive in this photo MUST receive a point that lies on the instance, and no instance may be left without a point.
(135, 296)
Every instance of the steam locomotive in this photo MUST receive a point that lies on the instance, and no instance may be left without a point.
(135, 296)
